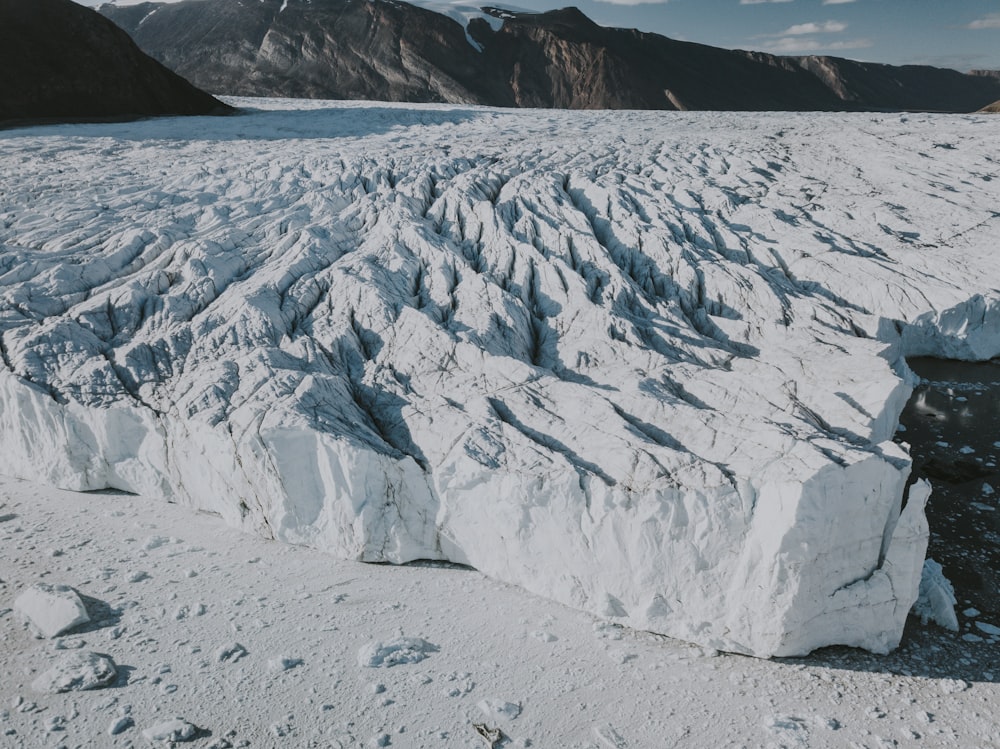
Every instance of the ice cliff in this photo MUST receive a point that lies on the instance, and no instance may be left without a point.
(648, 365)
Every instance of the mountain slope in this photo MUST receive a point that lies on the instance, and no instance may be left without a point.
(63, 61)
(388, 50)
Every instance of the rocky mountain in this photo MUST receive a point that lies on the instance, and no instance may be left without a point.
(62, 61)
(993, 108)
(389, 50)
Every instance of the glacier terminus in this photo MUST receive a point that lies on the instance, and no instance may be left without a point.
(647, 364)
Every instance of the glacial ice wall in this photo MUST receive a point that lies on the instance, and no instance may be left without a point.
(646, 364)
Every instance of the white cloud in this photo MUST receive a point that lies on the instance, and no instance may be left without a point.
(990, 21)
(827, 27)
(797, 45)
(627, 2)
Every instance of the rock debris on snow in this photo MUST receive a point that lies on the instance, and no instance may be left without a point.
(51, 609)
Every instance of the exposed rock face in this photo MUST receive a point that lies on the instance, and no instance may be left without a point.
(891, 87)
(993, 108)
(62, 61)
(394, 51)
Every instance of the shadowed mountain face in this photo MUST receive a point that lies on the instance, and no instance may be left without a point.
(62, 61)
(394, 51)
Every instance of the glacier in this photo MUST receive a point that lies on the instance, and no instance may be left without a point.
(646, 364)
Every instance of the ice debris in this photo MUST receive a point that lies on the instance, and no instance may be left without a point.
(394, 653)
(120, 724)
(499, 708)
(936, 597)
(77, 671)
(51, 609)
(230, 653)
(171, 730)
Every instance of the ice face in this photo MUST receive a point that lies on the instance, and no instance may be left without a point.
(647, 364)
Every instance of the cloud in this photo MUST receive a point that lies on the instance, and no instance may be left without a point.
(990, 21)
(827, 27)
(633, 2)
(796, 45)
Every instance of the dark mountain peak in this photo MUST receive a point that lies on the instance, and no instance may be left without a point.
(570, 16)
(62, 61)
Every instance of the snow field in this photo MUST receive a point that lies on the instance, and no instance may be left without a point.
(588, 684)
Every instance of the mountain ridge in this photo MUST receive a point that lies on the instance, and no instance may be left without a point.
(395, 51)
(63, 62)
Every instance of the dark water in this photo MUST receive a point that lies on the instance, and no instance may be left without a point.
(952, 424)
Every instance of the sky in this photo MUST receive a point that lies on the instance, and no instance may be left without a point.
(960, 34)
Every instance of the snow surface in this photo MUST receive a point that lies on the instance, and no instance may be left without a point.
(594, 685)
(645, 364)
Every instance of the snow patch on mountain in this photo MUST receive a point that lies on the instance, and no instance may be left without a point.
(463, 13)
(646, 364)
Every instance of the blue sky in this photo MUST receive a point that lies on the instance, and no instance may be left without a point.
(960, 34)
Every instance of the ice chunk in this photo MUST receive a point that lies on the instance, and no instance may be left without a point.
(51, 609)
(120, 724)
(396, 652)
(936, 598)
(495, 708)
(990, 629)
(283, 663)
(171, 730)
(77, 671)
(230, 653)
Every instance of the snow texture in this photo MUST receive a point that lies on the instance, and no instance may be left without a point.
(79, 671)
(51, 609)
(645, 364)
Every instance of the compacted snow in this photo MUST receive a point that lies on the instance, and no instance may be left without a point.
(645, 364)
(244, 642)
